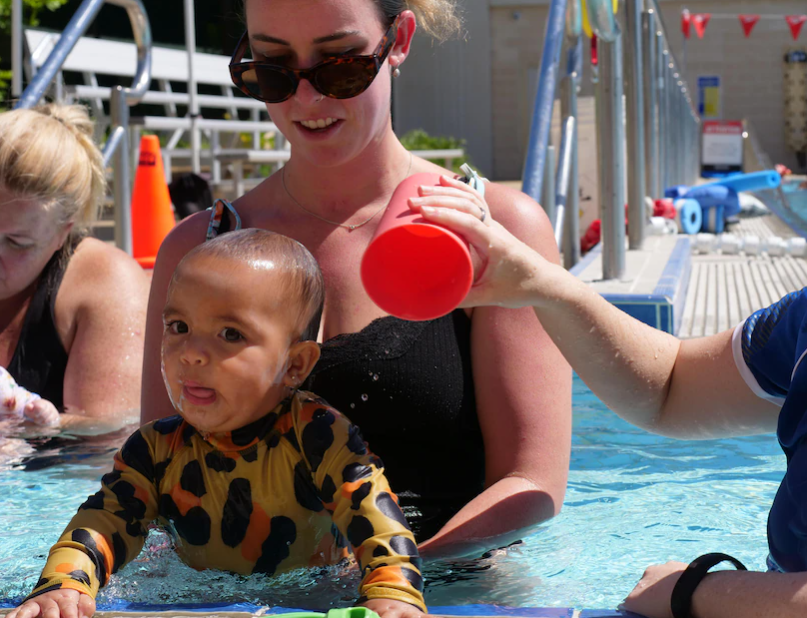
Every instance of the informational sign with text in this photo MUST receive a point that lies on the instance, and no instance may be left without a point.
(722, 147)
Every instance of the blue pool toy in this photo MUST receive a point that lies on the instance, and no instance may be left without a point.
(710, 196)
(690, 215)
(719, 200)
(755, 181)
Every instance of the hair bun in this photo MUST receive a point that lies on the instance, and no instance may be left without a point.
(74, 117)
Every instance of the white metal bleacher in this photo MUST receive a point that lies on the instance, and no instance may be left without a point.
(92, 57)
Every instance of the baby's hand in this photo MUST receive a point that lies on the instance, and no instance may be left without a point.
(62, 603)
(42, 412)
(387, 608)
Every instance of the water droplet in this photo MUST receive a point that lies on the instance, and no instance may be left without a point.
(364, 397)
(370, 374)
(375, 377)
(386, 351)
(352, 405)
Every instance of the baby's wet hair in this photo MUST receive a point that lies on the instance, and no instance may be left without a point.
(298, 269)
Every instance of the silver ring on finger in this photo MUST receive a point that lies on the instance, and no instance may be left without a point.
(484, 214)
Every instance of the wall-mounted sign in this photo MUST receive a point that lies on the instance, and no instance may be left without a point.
(722, 147)
(709, 104)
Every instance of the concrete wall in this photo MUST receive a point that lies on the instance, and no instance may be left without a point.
(445, 88)
(482, 89)
(751, 70)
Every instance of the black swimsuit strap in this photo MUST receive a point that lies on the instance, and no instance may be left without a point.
(40, 360)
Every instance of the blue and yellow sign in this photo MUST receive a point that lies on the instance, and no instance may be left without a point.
(709, 104)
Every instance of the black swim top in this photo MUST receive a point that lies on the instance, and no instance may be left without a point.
(40, 360)
(409, 387)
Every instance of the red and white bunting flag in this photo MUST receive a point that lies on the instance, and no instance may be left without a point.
(748, 22)
(700, 20)
(795, 22)
(686, 20)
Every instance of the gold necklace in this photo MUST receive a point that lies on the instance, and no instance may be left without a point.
(344, 225)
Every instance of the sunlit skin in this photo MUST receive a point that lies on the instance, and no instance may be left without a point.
(321, 30)
(230, 350)
(346, 172)
(29, 236)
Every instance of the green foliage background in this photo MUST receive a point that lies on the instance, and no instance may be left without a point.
(32, 9)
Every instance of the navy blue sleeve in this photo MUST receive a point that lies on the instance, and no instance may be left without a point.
(768, 346)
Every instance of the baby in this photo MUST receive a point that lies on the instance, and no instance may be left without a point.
(252, 475)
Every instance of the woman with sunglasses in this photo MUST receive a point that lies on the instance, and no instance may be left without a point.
(471, 413)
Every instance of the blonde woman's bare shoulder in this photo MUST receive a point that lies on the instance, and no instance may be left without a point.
(101, 273)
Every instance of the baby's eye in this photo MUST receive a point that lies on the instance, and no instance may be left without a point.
(231, 335)
(177, 327)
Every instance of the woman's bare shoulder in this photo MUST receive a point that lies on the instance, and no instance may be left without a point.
(101, 282)
(95, 262)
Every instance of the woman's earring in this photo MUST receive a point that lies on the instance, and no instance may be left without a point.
(396, 72)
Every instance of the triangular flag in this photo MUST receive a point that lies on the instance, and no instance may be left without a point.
(700, 20)
(795, 22)
(686, 20)
(748, 22)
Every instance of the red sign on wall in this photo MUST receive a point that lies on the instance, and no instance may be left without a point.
(722, 147)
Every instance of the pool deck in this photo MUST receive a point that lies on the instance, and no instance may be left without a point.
(692, 294)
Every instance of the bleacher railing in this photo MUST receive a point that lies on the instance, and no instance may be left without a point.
(117, 147)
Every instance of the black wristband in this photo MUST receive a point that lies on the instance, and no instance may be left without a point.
(681, 600)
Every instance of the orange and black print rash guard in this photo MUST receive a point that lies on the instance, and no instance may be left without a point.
(298, 487)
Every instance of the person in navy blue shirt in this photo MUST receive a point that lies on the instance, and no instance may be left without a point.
(667, 386)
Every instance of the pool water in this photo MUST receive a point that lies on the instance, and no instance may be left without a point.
(633, 499)
(797, 198)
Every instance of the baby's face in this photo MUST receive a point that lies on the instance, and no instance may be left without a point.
(226, 340)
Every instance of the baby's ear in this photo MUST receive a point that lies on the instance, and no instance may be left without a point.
(303, 355)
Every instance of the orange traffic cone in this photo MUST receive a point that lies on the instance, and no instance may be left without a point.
(152, 215)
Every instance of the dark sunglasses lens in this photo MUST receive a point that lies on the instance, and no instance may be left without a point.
(268, 84)
(342, 80)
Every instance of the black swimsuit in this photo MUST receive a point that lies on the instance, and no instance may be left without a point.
(409, 387)
(40, 360)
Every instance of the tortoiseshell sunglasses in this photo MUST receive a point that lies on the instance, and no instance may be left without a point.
(338, 78)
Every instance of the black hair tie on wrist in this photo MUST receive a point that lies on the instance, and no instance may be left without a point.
(681, 600)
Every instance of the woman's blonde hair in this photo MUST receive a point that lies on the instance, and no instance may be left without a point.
(437, 17)
(47, 153)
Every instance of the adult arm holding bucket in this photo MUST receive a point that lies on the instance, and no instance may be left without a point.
(743, 381)
(72, 308)
(523, 400)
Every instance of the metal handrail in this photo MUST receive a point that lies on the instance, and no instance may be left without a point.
(564, 175)
(544, 99)
(78, 25)
(116, 149)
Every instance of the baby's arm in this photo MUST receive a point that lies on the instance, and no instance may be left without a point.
(22, 404)
(107, 532)
(64, 602)
(353, 488)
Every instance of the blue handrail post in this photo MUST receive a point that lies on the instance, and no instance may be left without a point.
(542, 113)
